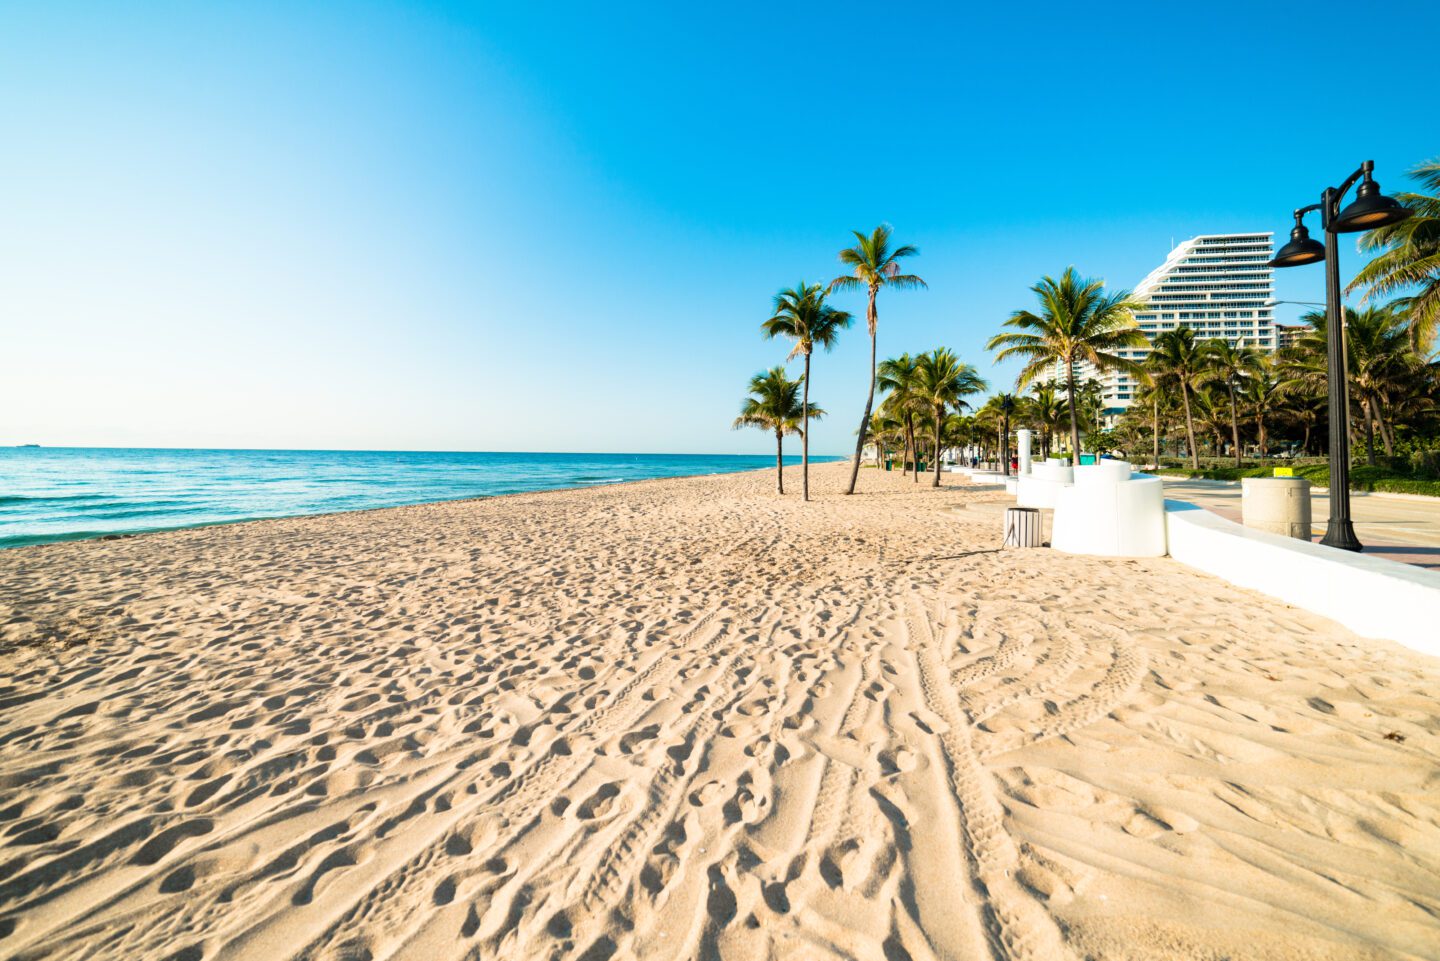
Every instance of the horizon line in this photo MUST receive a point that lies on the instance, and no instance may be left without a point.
(400, 450)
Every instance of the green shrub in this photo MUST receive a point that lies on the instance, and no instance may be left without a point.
(1425, 464)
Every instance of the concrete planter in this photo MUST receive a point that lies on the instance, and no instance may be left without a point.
(1277, 505)
(1111, 512)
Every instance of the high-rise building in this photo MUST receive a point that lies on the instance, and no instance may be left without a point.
(1218, 285)
(1287, 334)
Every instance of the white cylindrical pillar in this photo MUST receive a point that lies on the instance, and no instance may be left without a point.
(1024, 437)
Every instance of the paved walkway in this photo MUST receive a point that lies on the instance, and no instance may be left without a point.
(1400, 529)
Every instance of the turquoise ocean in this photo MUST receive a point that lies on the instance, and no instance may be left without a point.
(64, 493)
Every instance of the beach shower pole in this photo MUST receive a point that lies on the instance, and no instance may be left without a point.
(1369, 210)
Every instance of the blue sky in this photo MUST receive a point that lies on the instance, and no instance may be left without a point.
(558, 227)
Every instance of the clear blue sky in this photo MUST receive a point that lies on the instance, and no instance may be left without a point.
(554, 227)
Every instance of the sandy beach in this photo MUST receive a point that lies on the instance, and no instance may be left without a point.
(690, 719)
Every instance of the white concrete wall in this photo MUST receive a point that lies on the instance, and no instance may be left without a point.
(1371, 596)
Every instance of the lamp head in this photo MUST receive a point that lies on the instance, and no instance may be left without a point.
(1300, 250)
(1369, 209)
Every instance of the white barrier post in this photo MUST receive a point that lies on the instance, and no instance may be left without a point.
(1024, 436)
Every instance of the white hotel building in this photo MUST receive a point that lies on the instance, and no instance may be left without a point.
(1218, 286)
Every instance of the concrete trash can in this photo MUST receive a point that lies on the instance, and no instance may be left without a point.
(1278, 505)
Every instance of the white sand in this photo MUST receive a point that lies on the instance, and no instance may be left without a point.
(684, 719)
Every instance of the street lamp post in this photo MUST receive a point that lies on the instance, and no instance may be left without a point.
(1369, 210)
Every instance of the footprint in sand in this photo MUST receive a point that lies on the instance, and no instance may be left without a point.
(602, 804)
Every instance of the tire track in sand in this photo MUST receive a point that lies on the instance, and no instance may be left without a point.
(1121, 679)
(1018, 928)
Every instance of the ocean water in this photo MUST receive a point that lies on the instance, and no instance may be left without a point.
(63, 493)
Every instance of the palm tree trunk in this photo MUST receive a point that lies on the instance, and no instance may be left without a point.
(805, 437)
(939, 418)
(1369, 432)
(1155, 430)
(914, 443)
(909, 444)
(870, 319)
(1190, 427)
(1235, 427)
(1005, 446)
(915, 475)
(780, 461)
(1074, 424)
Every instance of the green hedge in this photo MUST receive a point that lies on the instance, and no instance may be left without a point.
(1362, 478)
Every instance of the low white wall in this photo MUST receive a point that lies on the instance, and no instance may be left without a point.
(1369, 595)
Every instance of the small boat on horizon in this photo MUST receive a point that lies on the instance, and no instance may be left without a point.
(27, 445)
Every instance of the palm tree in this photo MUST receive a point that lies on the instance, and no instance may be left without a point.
(1409, 257)
(1233, 365)
(1210, 414)
(1077, 322)
(988, 424)
(1005, 406)
(1262, 396)
(1152, 395)
(873, 265)
(1182, 361)
(1048, 407)
(774, 404)
(883, 432)
(1382, 367)
(1092, 403)
(958, 430)
(1300, 409)
(996, 413)
(944, 381)
(899, 379)
(801, 314)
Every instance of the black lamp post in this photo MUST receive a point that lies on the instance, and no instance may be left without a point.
(1369, 210)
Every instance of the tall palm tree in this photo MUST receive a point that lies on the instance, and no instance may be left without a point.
(944, 381)
(1078, 322)
(899, 379)
(873, 264)
(774, 404)
(1408, 257)
(1232, 366)
(1183, 362)
(801, 314)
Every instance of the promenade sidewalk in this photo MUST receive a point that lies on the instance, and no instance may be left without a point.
(1397, 528)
